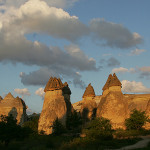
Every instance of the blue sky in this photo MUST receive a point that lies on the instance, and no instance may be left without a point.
(80, 41)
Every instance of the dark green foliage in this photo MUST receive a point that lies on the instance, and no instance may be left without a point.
(120, 133)
(96, 144)
(58, 128)
(74, 121)
(9, 130)
(32, 123)
(136, 121)
(98, 128)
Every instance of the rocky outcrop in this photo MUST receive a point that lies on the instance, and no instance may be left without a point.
(56, 105)
(113, 106)
(112, 84)
(89, 91)
(89, 106)
(15, 106)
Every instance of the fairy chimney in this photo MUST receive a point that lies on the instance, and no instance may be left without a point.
(113, 104)
(56, 105)
(89, 106)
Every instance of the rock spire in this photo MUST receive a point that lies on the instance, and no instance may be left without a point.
(112, 81)
(53, 84)
(56, 105)
(89, 91)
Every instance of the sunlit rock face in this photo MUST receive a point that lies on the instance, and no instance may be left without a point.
(113, 105)
(89, 106)
(15, 106)
(56, 105)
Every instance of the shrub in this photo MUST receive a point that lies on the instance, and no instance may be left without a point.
(98, 128)
(136, 121)
(32, 123)
(9, 130)
(74, 121)
(58, 128)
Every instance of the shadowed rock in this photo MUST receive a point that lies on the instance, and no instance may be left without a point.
(88, 104)
(1, 98)
(14, 106)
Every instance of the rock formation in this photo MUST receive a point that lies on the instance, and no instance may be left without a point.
(56, 104)
(113, 105)
(89, 106)
(15, 106)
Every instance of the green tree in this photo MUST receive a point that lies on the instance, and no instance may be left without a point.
(32, 123)
(74, 121)
(137, 120)
(58, 128)
(9, 129)
(99, 128)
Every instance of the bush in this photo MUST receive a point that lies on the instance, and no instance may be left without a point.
(32, 123)
(9, 130)
(136, 121)
(98, 128)
(58, 128)
(74, 121)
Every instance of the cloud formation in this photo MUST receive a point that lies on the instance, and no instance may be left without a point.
(112, 62)
(136, 52)
(123, 70)
(145, 72)
(114, 35)
(134, 87)
(52, 3)
(23, 92)
(22, 17)
(40, 92)
(41, 76)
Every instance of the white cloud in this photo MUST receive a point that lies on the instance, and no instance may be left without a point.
(123, 70)
(61, 3)
(52, 3)
(40, 92)
(120, 70)
(136, 52)
(145, 69)
(114, 35)
(134, 87)
(23, 92)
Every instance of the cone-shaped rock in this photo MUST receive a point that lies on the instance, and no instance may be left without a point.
(114, 81)
(15, 106)
(89, 91)
(53, 84)
(106, 86)
(56, 105)
(89, 106)
(113, 105)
